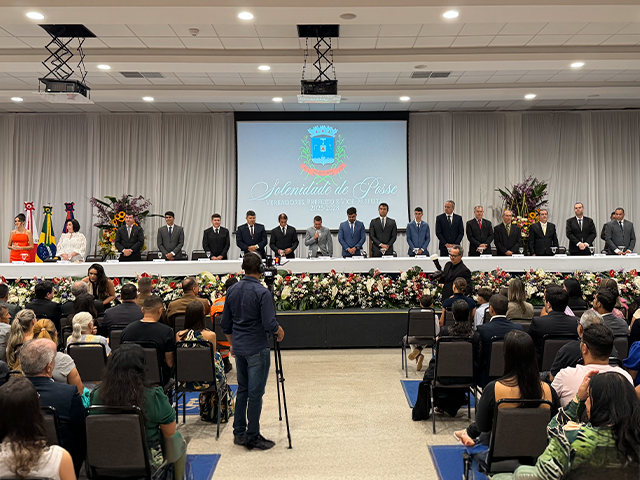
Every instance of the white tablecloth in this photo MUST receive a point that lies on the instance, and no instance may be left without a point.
(299, 265)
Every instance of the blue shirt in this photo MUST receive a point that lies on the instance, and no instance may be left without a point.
(249, 315)
(456, 296)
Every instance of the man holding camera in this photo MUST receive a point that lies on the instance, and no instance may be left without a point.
(247, 320)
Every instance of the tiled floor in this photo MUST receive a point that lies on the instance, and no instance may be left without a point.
(349, 420)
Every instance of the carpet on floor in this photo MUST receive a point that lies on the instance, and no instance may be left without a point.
(410, 388)
(201, 467)
(192, 406)
(447, 460)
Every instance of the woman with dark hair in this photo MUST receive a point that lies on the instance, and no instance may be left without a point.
(196, 330)
(73, 244)
(83, 303)
(20, 240)
(610, 438)
(24, 452)
(519, 308)
(124, 383)
(621, 304)
(521, 379)
(100, 286)
(576, 300)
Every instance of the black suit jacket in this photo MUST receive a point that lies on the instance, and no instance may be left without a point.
(451, 272)
(587, 235)
(446, 233)
(477, 237)
(556, 323)
(244, 239)
(499, 326)
(125, 313)
(135, 242)
(65, 399)
(44, 308)
(282, 242)
(387, 236)
(540, 244)
(507, 243)
(217, 244)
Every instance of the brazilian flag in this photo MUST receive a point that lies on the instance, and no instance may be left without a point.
(47, 242)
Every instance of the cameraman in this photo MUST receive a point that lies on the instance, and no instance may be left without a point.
(247, 320)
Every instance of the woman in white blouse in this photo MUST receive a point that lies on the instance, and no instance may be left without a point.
(72, 245)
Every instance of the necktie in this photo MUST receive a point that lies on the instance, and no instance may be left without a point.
(216, 231)
(284, 231)
(508, 229)
(418, 224)
(383, 222)
(621, 227)
(351, 224)
(544, 228)
(480, 224)
(129, 231)
(170, 232)
(449, 217)
(251, 231)
(580, 223)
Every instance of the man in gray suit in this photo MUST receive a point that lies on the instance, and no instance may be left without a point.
(383, 233)
(318, 239)
(171, 238)
(619, 233)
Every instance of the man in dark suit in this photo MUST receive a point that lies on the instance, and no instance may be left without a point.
(507, 237)
(479, 233)
(129, 240)
(619, 233)
(581, 232)
(604, 303)
(449, 228)
(499, 326)
(125, 313)
(284, 238)
(216, 239)
(252, 236)
(542, 236)
(556, 322)
(42, 305)
(351, 234)
(80, 288)
(37, 360)
(171, 238)
(453, 269)
(383, 233)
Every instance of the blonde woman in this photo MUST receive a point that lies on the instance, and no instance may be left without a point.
(84, 331)
(21, 331)
(64, 370)
(519, 308)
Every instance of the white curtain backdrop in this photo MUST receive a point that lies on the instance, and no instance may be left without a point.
(186, 163)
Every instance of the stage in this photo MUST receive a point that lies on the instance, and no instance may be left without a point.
(566, 264)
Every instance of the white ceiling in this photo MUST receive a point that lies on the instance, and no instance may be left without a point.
(497, 51)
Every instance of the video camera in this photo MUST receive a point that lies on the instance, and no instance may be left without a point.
(269, 271)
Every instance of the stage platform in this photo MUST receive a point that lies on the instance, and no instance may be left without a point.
(300, 265)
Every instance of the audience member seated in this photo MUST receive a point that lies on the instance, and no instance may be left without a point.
(100, 286)
(632, 363)
(634, 328)
(78, 288)
(125, 313)
(150, 330)
(610, 438)
(596, 347)
(556, 322)
(4, 297)
(484, 295)
(459, 289)
(64, 370)
(5, 330)
(521, 380)
(223, 346)
(190, 293)
(42, 305)
(620, 309)
(21, 332)
(417, 343)
(195, 329)
(124, 383)
(37, 359)
(24, 454)
(519, 308)
(84, 331)
(499, 326)
(83, 303)
(145, 289)
(576, 300)
(603, 304)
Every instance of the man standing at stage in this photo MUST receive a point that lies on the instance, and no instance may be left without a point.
(319, 239)
(418, 235)
(619, 233)
(252, 236)
(129, 240)
(284, 238)
(216, 239)
(479, 233)
(248, 318)
(542, 236)
(383, 233)
(171, 238)
(507, 236)
(449, 228)
(581, 232)
(351, 234)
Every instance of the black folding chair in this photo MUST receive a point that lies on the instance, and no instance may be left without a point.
(421, 323)
(177, 322)
(153, 255)
(94, 259)
(196, 254)
(496, 360)
(90, 359)
(551, 345)
(448, 317)
(115, 332)
(621, 342)
(220, 336)
(66, 333)
(578, 313)
(51, 425)
(153, 367)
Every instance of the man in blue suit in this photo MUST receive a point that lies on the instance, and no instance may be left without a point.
(351, 234)
(252, 236)
(418, 235)
(449, 228)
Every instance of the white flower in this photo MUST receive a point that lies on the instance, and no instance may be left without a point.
(403, 276)
(369, 284)
(334, 292)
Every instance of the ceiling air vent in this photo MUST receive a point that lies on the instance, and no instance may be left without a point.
(420, 74)
(142, 75)
(152, 75)
(440, 74)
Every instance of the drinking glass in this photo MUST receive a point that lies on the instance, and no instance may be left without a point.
(208, 254)
(159, 255)
(481, 249)
(383, 251)
(449, 250)
(416, 250)
(363, 253)
(553, 250)
(24, 256)
(241, 254)
(622, 248)
(118, 255)
(521, 249)
(592, 249)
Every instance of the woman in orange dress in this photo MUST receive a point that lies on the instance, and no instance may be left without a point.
(20, 240)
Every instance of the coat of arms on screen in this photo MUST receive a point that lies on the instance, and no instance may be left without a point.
(323, 153)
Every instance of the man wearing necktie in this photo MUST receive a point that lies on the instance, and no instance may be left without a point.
(129, 240)
(507, 236)
(216, 239)
(383, 233)
(252, 236)
(418, 234)
(620, 237)
(351, 234)
(581, 232)
(284, 238)
(171, 238)
(479, 233)
(449, 228)
(542, 236)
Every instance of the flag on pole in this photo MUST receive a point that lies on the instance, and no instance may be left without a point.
(69, 209)
(47, 242)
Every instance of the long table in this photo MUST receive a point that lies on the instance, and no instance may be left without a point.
(300, 265)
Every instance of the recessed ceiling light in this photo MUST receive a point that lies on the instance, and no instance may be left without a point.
(264, 68)
(245, 16)
(348, 16)
(35, 15)
(405, 99)
(148, 99)
(104, 67)
(17, 99)
(530, 96)
(277, 99)
(577, 65)
(450, 14)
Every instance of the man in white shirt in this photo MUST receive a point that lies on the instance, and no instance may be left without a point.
(596, 346)
(484, 295)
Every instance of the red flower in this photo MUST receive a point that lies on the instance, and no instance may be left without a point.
(633, 273)
(172, 285)
(154, 281)
(287, 278)
(393, 295)
(612, 273)
(333, 272)
(116, 282)
(423, 275)
(302, 275)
